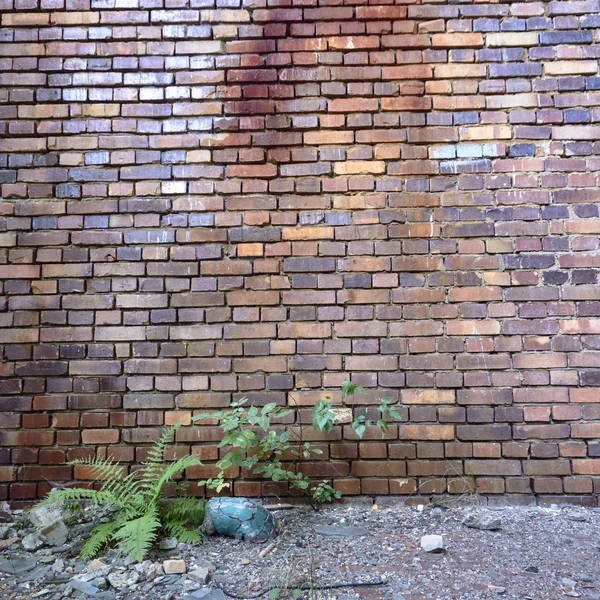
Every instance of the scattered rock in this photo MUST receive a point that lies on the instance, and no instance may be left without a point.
(174, 566)
(85, 587)
(58, 566)
(55, 534)
(167, 544)
(205, 594)
(482, 521)
(43, 515)
(432, 543)
(18, 564)
(532, 569)
(340, 531)
(47, 518)
(31, 542)
(200, 575)
(123, 579)
(497, 589)
(8, 542)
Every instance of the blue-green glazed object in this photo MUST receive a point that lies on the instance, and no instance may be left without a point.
(240, 518)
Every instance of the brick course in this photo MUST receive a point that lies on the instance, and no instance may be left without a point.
(226, 199)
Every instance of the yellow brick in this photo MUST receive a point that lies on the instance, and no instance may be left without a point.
(458, 71)
(74, 18)
(225, 32)
(486, 132)
(250, 250)
(571, 67)
(520, 38)
(307, 233)
(225, 16)
(428, 397)
(359, 167)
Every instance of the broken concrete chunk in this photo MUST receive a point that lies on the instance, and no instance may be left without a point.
(174, 566)
(432, 543)
(482, 521)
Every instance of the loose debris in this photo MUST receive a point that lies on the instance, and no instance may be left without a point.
(512, 553)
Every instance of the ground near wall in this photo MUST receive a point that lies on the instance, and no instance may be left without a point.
(533, 553)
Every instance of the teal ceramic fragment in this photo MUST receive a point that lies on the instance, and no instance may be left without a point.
(239, 518)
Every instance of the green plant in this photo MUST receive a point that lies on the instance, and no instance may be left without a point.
(139, 510)
(252, 443)
(325, 416)
(261, 450)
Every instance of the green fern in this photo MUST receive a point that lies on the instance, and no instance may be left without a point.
(141, 514)
(137, 535)
(101, 535)
(182, 518)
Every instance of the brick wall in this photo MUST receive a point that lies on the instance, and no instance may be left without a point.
(202, 201)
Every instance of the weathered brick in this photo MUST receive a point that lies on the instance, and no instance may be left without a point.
(288, 196)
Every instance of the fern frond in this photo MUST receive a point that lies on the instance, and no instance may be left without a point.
(168, 472)
(182, 533)
(156, 457)
(128, 490)
(70, 494)
(137, 536)
(100, 536)
(187, 509)
(105, 470)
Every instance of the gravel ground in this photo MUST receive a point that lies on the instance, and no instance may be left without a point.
(538, 553)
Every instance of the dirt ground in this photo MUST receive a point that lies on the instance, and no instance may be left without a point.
(536, 553)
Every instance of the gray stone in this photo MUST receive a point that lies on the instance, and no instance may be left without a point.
(497, 589)
(4, 529)
(38, 574)
(85, 587)
(200, 575)
(123, 579)
(32, 542)
(94, 570)
(205, 594)
(45, 514)
(341, 530)
(58, 566)
(55, 534)
(482, 521)
(48, 520)
(17, 565)
(167, 544)
(432, 543)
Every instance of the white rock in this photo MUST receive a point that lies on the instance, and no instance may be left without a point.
(42, 516)
(123, 579)
(432, 543)
(58, 566)
(174, 566)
